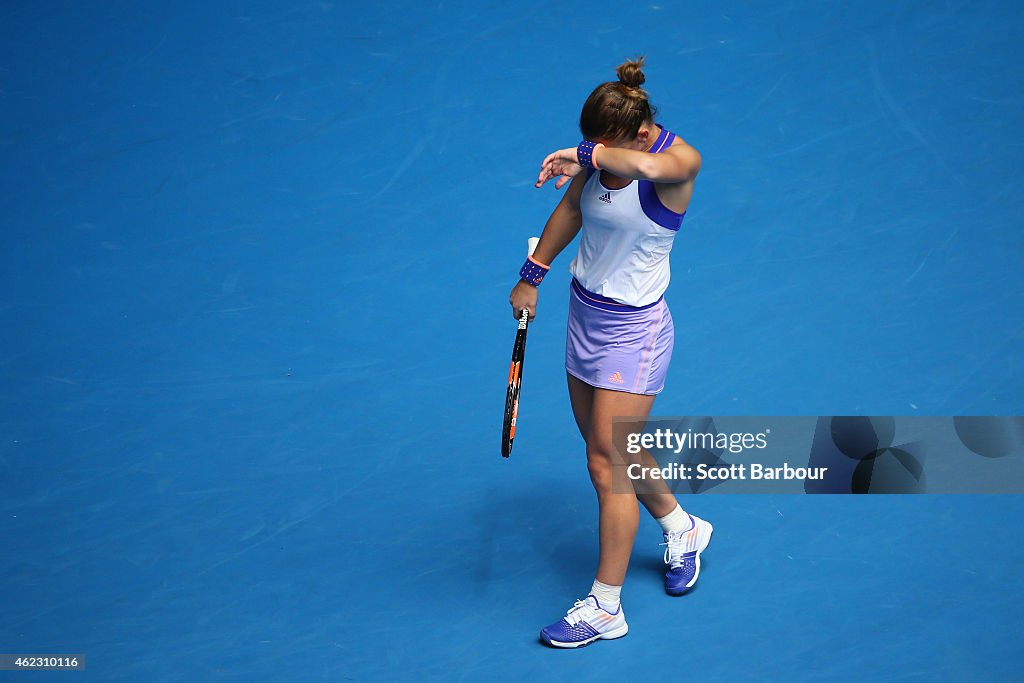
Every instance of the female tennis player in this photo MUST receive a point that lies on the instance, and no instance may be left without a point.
(630, 181)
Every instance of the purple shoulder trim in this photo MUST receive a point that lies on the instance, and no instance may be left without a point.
(649, 200)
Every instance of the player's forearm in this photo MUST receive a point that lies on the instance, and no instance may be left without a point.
(625, 163)
(636, 165)
(561, 228)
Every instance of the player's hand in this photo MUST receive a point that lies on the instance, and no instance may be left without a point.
(563, 164)
(524, 295)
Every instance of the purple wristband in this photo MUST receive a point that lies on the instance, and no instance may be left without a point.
(585, 153)
(533, 272)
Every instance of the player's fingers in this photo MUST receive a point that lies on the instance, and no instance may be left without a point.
(560, 183)
(546, 173)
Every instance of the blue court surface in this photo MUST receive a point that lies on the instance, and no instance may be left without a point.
(256, 261)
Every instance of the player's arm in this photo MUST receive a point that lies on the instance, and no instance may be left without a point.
(678, 164)
(564, 224)
(562, 227)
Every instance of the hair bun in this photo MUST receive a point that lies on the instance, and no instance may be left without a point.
(630, 73)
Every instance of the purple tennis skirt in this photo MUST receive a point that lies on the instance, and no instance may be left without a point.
(618, 347)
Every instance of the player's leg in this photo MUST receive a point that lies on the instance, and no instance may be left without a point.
(655, 495)
(619, 512)
(599, 615)
(653, 492)
(686, 536)
(581, 396)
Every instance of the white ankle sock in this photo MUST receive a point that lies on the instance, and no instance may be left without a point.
(607, 596)
(675, 521)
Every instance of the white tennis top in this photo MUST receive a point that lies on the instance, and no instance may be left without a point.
(626, 238)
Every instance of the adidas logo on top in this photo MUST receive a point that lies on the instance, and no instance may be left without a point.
(606, 197)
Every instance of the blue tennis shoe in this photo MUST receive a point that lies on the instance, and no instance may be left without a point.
(682, 555)
(586, 622)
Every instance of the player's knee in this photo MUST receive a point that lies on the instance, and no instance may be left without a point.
(600, 466)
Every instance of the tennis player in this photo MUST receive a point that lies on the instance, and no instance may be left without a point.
(630, 181)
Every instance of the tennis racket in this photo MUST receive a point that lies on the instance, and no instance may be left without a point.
(515, 382)
(515, 377)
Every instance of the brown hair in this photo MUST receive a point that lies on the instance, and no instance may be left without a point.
(617, 109)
